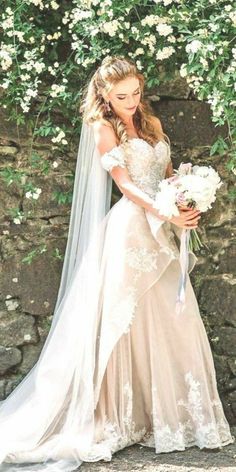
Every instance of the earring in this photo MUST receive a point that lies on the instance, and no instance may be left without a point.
(107, 107)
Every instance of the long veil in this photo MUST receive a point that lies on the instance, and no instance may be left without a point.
(46, 423)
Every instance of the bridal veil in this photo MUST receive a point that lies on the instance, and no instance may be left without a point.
(49, 416)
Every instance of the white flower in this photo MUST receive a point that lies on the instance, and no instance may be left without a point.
(194, 46)
(55, 164)
(232, 16)
(59, 137)
(33, 193)
(165, 200)
(139, 51)
(56, 90)
(17, 221)
(197, 184)
(5, 58)
(5, 84)
(110, 27)
(150, 20)
(165, 53)
(183, 70)
(139, 65)
(163, 29)
(54, 5)
(39, 66)
(8, 23)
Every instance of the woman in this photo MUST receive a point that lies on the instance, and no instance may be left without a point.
(119, 366)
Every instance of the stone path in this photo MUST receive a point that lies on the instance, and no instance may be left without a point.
(193, 459)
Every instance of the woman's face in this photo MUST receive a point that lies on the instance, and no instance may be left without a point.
(125, 96)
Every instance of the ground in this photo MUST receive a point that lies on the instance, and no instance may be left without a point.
(192, 459)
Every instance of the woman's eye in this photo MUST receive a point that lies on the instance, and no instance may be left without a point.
(122, 98)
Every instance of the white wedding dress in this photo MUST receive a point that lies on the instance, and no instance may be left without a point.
(151, 377)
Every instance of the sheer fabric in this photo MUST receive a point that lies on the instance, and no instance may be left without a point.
(119, 366)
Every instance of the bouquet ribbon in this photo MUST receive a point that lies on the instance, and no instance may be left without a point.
(184, 262)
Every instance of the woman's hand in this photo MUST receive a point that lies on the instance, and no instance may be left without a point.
(187, 219)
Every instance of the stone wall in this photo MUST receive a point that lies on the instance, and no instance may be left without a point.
(28, 291)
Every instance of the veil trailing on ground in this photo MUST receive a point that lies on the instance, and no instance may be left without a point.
(46, 423)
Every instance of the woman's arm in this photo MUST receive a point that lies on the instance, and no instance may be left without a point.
(105, 140)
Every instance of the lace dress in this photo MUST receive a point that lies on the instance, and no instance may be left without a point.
(159, 386)
(149, 376)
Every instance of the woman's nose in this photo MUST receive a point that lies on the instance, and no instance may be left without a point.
(131, 101)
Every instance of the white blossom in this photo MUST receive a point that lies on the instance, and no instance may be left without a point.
(110, 27)
(163, 29)
(194, 46)
(17, 221)
(232, 16)
(60, 137)
(165, 53)
(56, 90)
(54, 5)
(183, 70)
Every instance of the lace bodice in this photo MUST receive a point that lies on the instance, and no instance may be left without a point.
(145, 163)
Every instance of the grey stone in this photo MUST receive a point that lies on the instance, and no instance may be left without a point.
(9, 357)
(8, 150)
(225, 341)
(232, 365)
(30, 356)
(2, 389)
(175, 88)
(12, 383)
(188, 122)
(46, 206)
(42, 276)
(219, 296)
(17, 329)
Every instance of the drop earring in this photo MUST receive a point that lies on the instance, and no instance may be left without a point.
(107, 107)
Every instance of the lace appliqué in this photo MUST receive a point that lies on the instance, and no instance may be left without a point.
(193, 431)
(146, 164)
(124, 310)
(113, 158)
(113, 436)
(142, 260)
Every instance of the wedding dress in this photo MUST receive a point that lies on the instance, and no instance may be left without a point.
(148, 375)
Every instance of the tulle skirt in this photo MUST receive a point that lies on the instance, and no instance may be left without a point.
(159, 388)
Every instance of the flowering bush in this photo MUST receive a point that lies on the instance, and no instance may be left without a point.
(49, 49)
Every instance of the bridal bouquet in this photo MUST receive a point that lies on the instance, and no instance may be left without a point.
(191, 186)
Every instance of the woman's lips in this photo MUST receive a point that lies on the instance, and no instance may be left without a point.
(131, 108)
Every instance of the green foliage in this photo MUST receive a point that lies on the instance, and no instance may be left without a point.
(28, 259)
(62, 198)
(50, 49)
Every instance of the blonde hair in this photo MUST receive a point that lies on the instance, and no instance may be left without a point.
(93, 107)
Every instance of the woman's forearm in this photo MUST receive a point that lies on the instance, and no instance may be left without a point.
(141, 198)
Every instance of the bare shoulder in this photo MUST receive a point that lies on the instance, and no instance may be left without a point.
(104, 136)
(156, 122)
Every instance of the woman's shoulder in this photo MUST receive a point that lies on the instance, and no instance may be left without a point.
(104, 135)
(101, 124)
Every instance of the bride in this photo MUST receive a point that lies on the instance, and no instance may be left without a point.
(119, 366)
